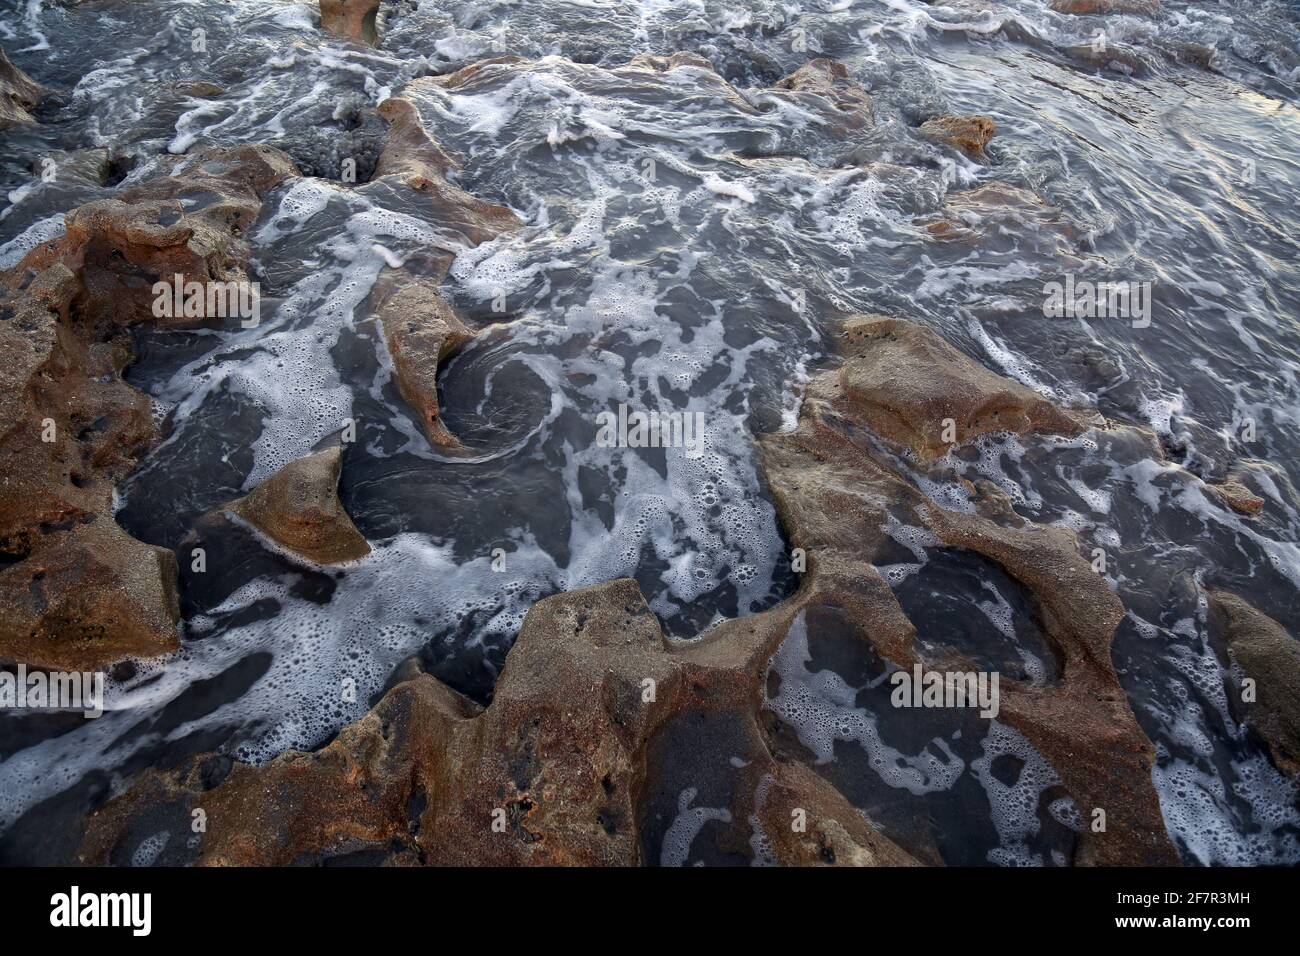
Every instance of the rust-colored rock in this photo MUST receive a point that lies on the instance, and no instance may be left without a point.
(355, 19)
(18, 94)
(827, 81)
(966, 134)
(299, 508)
(1237, 496)
(413, 158)
(906, 384)
(836, 495)
(551, 773)
(1270, 657)
(71, 428)
(87, 597)
(421, 330)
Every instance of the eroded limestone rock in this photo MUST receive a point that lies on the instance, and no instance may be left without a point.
(906, 384)
(18, 94)
(556, 762)
(71, 428)
(1270, 657)
(421, 330)
(86, 597)
(1101, 7)
(829, 81)
(355, 19)
(299, 508)
(412, 158)
(966, 134)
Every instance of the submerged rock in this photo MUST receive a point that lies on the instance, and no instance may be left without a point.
(908, 385)
(18, 94)
(87, 597)
(829, 81)
(299, 508)
(412, 157)
(421, 330)
(966, 134)
(1270, 657)
(1237, 496)
(1097, 7)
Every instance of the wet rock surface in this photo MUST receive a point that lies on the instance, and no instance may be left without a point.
(1270, 658)
(299, 508)
(19, 94)
(498, 639)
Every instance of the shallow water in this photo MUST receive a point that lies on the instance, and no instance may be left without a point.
(684, 250)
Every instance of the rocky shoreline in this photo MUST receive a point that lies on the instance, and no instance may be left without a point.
(588, 716)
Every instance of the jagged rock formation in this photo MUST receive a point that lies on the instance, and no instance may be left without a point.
(564, 756)
(966, 134)
(1270, 657)
(299, 508)
(908, 385)
(18, 94)
(836, 495)
(355, 19)
(550, 773)
(71, 428)
(421, 330)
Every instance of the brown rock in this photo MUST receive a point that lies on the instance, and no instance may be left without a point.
(18, 94)
(71, 428)
(902, 381)
(421, 330)
(966, 134)
(299, 508)
(1237, 497)
(1270, 657)
(355, 19)
(557, 760)
(835, 495)
(87, 597)
(827, 81)
(413, 158)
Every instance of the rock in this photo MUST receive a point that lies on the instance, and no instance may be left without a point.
(299, 508)
(150, 234)
(1100, 7)
(18, 94)
(412, 158)
(421, 330)
(1270, 657)
(903, 382)
(835, 495)
(829, 82)
(966, 134)
(71, 428)
(557, 761)
(355, 19)
(998, 209)
(1237, 496)
(88, 597)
